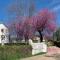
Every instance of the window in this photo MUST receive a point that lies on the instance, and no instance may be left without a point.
(2, 30)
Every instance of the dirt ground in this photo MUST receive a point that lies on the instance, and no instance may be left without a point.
(39, 57)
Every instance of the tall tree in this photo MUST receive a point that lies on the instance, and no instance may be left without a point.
(31, 8)
(18, 11)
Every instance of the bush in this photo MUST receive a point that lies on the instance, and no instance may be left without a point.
(15, 52)
(50, 43)
(57, 43)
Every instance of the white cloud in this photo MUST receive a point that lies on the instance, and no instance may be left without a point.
(56, 8)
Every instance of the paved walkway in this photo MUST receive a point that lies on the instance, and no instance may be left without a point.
(53, 51)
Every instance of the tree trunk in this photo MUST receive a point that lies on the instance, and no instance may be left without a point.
(26, 39)
(41, 37)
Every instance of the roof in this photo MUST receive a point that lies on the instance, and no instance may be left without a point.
(3, 26)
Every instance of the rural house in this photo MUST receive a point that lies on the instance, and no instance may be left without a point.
(4, 34)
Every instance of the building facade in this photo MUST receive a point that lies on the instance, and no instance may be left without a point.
(4, 34)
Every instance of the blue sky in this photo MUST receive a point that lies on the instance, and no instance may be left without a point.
(53, 5)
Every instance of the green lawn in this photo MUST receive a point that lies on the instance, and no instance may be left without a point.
(15, 52)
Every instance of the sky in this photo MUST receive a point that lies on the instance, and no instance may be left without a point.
(53, 5)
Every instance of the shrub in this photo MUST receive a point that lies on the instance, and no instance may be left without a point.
(14, 52)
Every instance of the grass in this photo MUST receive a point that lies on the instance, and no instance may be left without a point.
(14, 52)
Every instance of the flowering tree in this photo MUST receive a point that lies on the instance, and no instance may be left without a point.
(18, 10)
(45, 22)
(19, 30)
(27, 28)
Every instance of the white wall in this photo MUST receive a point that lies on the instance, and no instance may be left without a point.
(38, 47)
(5, 33)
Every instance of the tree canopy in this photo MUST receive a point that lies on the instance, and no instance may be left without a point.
(43, 22)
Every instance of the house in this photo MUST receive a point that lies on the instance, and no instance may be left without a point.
(4, 34)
